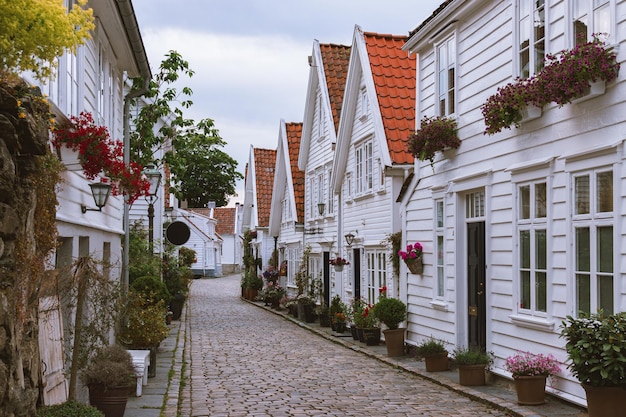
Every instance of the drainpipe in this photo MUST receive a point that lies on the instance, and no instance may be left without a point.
(127, 13)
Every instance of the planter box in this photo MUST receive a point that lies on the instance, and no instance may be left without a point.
(437, 363)
(530, 112)
(596, 89)
(472, 375)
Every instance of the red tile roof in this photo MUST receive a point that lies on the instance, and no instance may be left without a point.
(264, 167)
(394, 78)
(335, 59)
(226, 220)
(294, 134)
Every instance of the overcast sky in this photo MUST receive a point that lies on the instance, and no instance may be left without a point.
(250, 56)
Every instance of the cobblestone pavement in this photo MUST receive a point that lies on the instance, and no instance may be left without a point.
(245, 361)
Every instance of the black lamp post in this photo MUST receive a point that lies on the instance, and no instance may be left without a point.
(154, 178)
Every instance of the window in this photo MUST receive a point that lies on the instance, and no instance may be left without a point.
(446, 69)
(593, 241)
(69, 101)
(532, 246)
(363, 104)
(330, 200)
(320, 192)
(293, 265)
(348, 186)
(364, 167)
(589, 17)
(320, 116)
(286, 212)
(531, 32)
(376, 274)
(439, 231)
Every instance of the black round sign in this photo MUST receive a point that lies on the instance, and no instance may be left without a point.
(177, 233)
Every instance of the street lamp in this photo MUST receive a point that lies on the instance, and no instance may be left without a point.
(154, 178)
(100, 192)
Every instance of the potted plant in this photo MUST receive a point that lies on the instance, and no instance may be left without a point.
(435, 134)
(339, 321)
(506, 107)
(472, 364)
(435, 355)
(69, 409)
(306, 310)
(412, 257)
(391, 312)
(530, 372)
(109, 376)
(371, 328)
(338, 263)
(596, 352)
(357, 306)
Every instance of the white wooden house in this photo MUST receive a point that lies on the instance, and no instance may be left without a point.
(227, 228)
(203, 239)
(259, 181)
(329, 65)
(91, 80)
(523, 227)
(287, 209)
(371, 161)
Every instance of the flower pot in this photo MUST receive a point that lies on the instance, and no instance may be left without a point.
(70, 159)
(596, 88)
(530, 112)
(340, 327)
(324, 320)
(355, 336)
(359, 335)
(176, 306)
(338, 268)
(472, 375)
(437, 363)
(531, 390)
(394, 340)
(111, 401)
(415, 265)
(371, 336)
(605, 401)
(309, 314)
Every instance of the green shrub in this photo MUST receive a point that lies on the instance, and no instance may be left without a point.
(465, 356)
(111, 367)
(431, 347)
(390, 311)
(151, 289)
(69, 409)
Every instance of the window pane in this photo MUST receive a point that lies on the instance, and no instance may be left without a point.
(525, 289)
(605, 294)
(541, 289)
(605, 249)
(541, 249)
(439, 213)
(582, 293)
(602, 20)
(524, 197)
(540, 51)
(581, 190)
(451, 91)
(604, 192)
(524, 248)
(440, 281)
(582, 249)
(540, 200)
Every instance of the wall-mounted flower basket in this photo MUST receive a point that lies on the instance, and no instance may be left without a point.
(435, 134)
(70, 159)
(530, 112)
(596, 88)
(338, 268)
(567, 77)
(415, 265)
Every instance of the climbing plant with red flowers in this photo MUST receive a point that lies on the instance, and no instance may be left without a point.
(99, 154)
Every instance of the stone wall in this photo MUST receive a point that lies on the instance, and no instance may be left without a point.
(23, 139)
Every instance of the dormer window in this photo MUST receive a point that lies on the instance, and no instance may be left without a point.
(363, 108)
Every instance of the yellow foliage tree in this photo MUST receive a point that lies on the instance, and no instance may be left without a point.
(34, 32)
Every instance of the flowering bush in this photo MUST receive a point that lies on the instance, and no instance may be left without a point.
(565, 77)
(596, 350)
(369, 318)
(98, 153)
(339, 261)
(528, 364)
(435, 134)
(339, 318)
(273, 292)
(412, 251)
(270, 274)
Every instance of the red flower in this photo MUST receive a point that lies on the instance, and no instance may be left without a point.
(98, 153)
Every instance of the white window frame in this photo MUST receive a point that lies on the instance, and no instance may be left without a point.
(440, 248)
(320, 192)
(446, 82)
(594, 220)
(532, 224)
(528, 15)
(364, 169)
(321, 116)
(363, 104)
(330, 201)
(593, 17)
(376, 273)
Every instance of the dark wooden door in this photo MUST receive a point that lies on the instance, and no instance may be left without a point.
(476, 286)
(326, 273)
(356, 267)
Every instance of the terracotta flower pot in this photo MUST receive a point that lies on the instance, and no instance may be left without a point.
(394, 339)
(437, 363)
(605, 401)
(531, 390)
(472, 375)
(111, 401)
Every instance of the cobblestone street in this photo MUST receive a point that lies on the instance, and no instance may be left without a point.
(245, 361)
